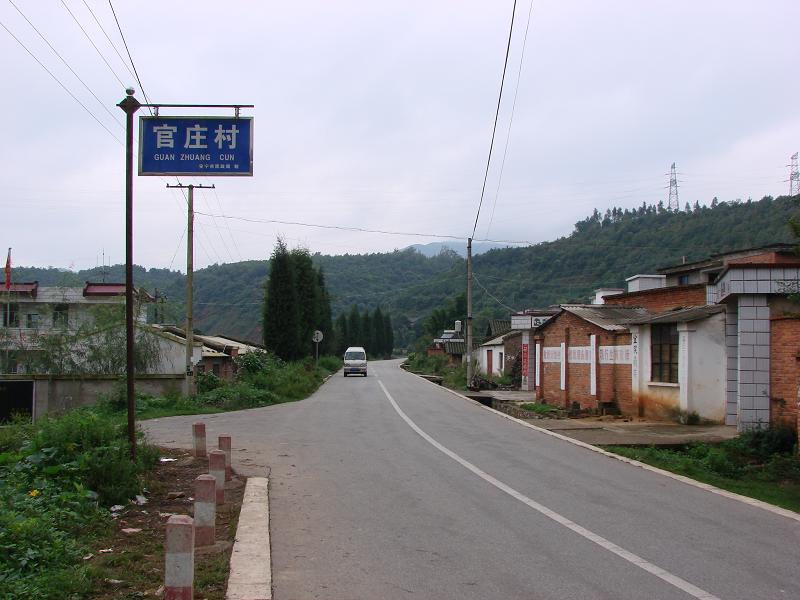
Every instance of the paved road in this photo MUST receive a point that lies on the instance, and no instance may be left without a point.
(388, 487)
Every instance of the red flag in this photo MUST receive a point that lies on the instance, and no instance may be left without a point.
(8, 270)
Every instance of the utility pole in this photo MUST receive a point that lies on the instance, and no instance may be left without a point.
(189, 284)
(130, 105)
(673, 203)
(468, 339)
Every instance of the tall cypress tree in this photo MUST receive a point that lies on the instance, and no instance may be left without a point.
(354, 328)
(281, 317)
(378, 333)
(388, 335)
(325, 322)
(367, 333)
(342, 333)
(308, 298)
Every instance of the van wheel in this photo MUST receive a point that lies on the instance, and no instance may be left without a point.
(365, 373)
(345, 374)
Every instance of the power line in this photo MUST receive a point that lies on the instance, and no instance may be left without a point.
(511, 119)
(58, 81)
(63, 60)
(233, 239)
(496, 116)
(133, 64)
(88, 37)
(100, 25)
(492, 296)
(360, 229)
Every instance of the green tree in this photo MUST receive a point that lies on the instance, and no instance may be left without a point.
(281, 319)
(378, 333)
(342, 333)
(309, 298)
(354, 328)
(325, 321)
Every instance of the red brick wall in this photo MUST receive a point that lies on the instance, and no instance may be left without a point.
(662, 299)
(784, 370)
(613, 381)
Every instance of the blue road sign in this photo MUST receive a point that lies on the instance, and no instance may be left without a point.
(196, 146)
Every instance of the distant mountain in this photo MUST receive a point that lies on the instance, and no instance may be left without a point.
(603, 250)
(459, 248)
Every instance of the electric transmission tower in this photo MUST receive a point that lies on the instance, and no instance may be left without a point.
(673, 190)
(794, 176)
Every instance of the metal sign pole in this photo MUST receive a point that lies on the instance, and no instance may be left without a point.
(130, 105)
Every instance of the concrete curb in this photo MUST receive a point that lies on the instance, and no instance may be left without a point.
(251, 562)
(698, 484)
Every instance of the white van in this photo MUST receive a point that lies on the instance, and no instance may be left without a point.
(355, 361)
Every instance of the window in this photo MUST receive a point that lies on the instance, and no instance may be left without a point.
(10, 315)
(61, 316)
(215, 369)
(664, 353)
(500, 361)
(32, 321)
(683, 280)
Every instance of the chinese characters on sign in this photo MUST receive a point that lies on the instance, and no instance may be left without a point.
(524, 360)
(195, 146)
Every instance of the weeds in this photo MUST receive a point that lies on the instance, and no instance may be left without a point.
(56, 477)
(762, 464)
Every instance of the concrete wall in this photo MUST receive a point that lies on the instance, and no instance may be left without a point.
(702, 372)
(57, 394)
(498, 356)
(702, 367)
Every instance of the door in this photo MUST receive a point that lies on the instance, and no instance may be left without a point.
(489, 365)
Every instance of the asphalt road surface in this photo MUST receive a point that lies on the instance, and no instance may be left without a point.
(388, 487)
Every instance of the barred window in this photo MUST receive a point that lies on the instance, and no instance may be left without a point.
(664, 353)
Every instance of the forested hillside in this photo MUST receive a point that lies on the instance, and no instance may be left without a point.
(603, 250)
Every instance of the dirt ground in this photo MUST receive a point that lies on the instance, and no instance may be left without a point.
(129, 562)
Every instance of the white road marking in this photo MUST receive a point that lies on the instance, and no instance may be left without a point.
(632, 558)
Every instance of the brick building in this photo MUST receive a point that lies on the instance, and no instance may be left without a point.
(581, 358)
(748, 328)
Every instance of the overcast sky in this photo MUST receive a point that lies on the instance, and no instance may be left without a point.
(378, 114)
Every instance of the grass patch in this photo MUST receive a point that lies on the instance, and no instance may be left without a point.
(453, 376)
(758, 464)
(262, 379)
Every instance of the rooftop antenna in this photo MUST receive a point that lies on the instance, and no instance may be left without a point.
(673, 190)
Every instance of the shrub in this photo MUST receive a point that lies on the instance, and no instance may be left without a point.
(207, 382)
(330, 363)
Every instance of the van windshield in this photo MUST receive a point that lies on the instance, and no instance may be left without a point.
(354, 356)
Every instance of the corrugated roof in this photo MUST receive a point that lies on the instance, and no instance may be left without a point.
(684, 315)
(610, 318)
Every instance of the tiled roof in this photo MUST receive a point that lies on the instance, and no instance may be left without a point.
(455, 347)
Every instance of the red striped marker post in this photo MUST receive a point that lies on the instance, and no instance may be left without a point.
(205, 510)
(199, 439)
(225, 446)
(179, 559)
(216, 467)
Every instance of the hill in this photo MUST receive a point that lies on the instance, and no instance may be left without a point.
(459, 248)
(603, 250)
